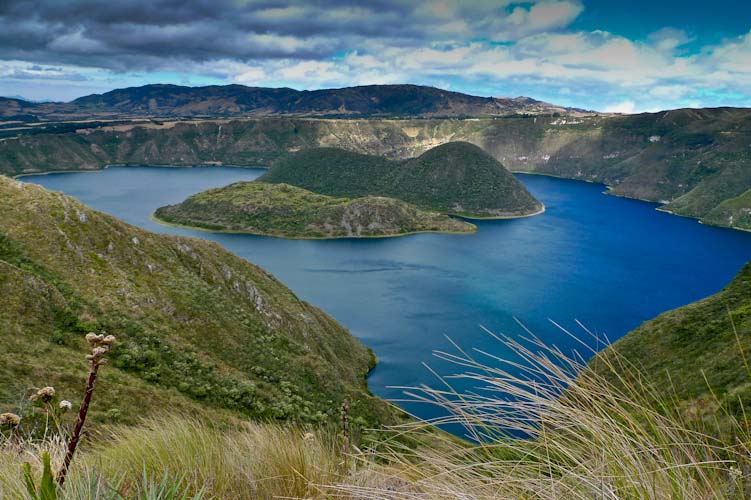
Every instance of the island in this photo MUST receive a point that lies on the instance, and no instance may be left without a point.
(454, 178)
(287, 211)
(333, 193)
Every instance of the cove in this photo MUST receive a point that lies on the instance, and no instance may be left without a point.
(608, 262)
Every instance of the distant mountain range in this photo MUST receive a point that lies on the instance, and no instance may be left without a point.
(22, 98)
(170, 101)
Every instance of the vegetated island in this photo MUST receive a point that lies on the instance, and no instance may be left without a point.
(333, 193)
(455, 178)
(287, 211)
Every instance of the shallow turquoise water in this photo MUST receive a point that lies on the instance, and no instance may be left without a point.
(608, 262)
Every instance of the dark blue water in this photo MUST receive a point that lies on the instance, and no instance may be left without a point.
(609, 262)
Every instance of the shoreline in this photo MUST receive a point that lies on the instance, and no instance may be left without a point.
(101, 169)
(163, 222)
(541, 210)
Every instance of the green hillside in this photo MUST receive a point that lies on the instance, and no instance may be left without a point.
(698, 353)
(198, 328)
(457, 177)
(291, 212)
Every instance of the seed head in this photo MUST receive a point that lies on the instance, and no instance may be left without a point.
(9, 420)
(45, 395)
(65, 405)
(93, 339)
(100, 346)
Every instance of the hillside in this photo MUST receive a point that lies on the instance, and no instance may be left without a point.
(291, 212)
(198, 328)
(695, 159)
(693, 353)
(161, 100)
(457, 177)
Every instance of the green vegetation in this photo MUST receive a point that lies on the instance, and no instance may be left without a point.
(199, 329)
(735, 212)
(457, 177)
(698, 354)
(291, 212)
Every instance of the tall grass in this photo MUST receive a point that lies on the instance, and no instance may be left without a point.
(181, 458)
(589, 434)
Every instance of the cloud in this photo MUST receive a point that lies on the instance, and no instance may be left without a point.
(669, 39)
(625, 107)
(134, 35)
(545, 16)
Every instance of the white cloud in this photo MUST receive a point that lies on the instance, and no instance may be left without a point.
(669, 39)
(625, 107)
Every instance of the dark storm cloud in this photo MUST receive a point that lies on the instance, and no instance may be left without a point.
(151, 34)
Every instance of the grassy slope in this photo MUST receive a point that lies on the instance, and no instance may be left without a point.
(734, 212)
(197, 326)
(292, 212)
(692, 351)
(456, 178)
(696, 159)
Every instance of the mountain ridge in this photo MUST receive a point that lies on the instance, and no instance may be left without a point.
(168, 100)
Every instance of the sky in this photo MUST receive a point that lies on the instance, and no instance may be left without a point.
(626, 56)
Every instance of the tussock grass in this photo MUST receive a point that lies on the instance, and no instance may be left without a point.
(178, 457)
(584, 436)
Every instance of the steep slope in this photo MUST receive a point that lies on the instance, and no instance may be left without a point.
(292, 212)
(161, 100)
(457, 178)
(197, 327)
(698, 352)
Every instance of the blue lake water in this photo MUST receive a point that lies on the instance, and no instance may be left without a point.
(609, 262)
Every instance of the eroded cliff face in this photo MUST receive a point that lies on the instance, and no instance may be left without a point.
(692, 159)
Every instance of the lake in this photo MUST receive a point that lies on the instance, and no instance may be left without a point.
(609, 262)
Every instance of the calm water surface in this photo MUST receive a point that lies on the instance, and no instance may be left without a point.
(609, 262)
